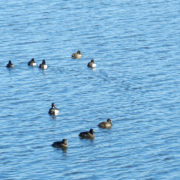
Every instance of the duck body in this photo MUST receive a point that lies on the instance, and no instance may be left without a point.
(43, 65)
(77, 55)
(32, 62)
(10, 65)
(91, 64)
(53, 110)
(60, 144)
(106, 124)
(87, 135)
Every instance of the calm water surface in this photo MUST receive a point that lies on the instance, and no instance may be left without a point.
(136, 83)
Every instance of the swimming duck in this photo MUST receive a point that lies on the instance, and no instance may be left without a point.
(92, 64)
(87, 135)
(53, 110)
(43, 65)
(106, 124)
(32, 62)
(10, 64)
(60, 144)
(77, 55)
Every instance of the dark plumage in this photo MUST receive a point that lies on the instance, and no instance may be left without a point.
(53, 110)
(32, 62)
(43, 65)
(88, 134)
(91, 64)
(106, 124)
(10, 65)
(60, 144)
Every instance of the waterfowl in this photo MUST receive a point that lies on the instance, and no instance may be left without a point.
(43, 65)
(77, 55)
(91, 64)
(10, 64)
(60, 144)
(106, 124)
(53, 110)
(32, 62)
(87, 135)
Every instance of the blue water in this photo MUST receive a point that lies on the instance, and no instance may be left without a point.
(136, 47)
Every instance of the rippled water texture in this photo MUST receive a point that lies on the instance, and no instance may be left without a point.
(136, 47)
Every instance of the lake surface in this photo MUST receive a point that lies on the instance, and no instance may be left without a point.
(136, 47)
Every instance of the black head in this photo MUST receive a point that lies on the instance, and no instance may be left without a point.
(10, 62)
(91, 131)
(43, 61)
(32, 59)
(78, 52)
(64, 141)
(92, 60)
(53, 105)
(109, 120)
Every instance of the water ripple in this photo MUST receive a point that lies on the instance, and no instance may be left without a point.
(136, 84)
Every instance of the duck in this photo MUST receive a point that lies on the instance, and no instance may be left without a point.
(77, 55)
(61, 144)
(91, 64)
(43, 65)
(32, 62)
(107, 124)
(10, 64)
(53, 110)
(87, 135)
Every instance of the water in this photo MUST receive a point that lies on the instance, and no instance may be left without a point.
(135, 45)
